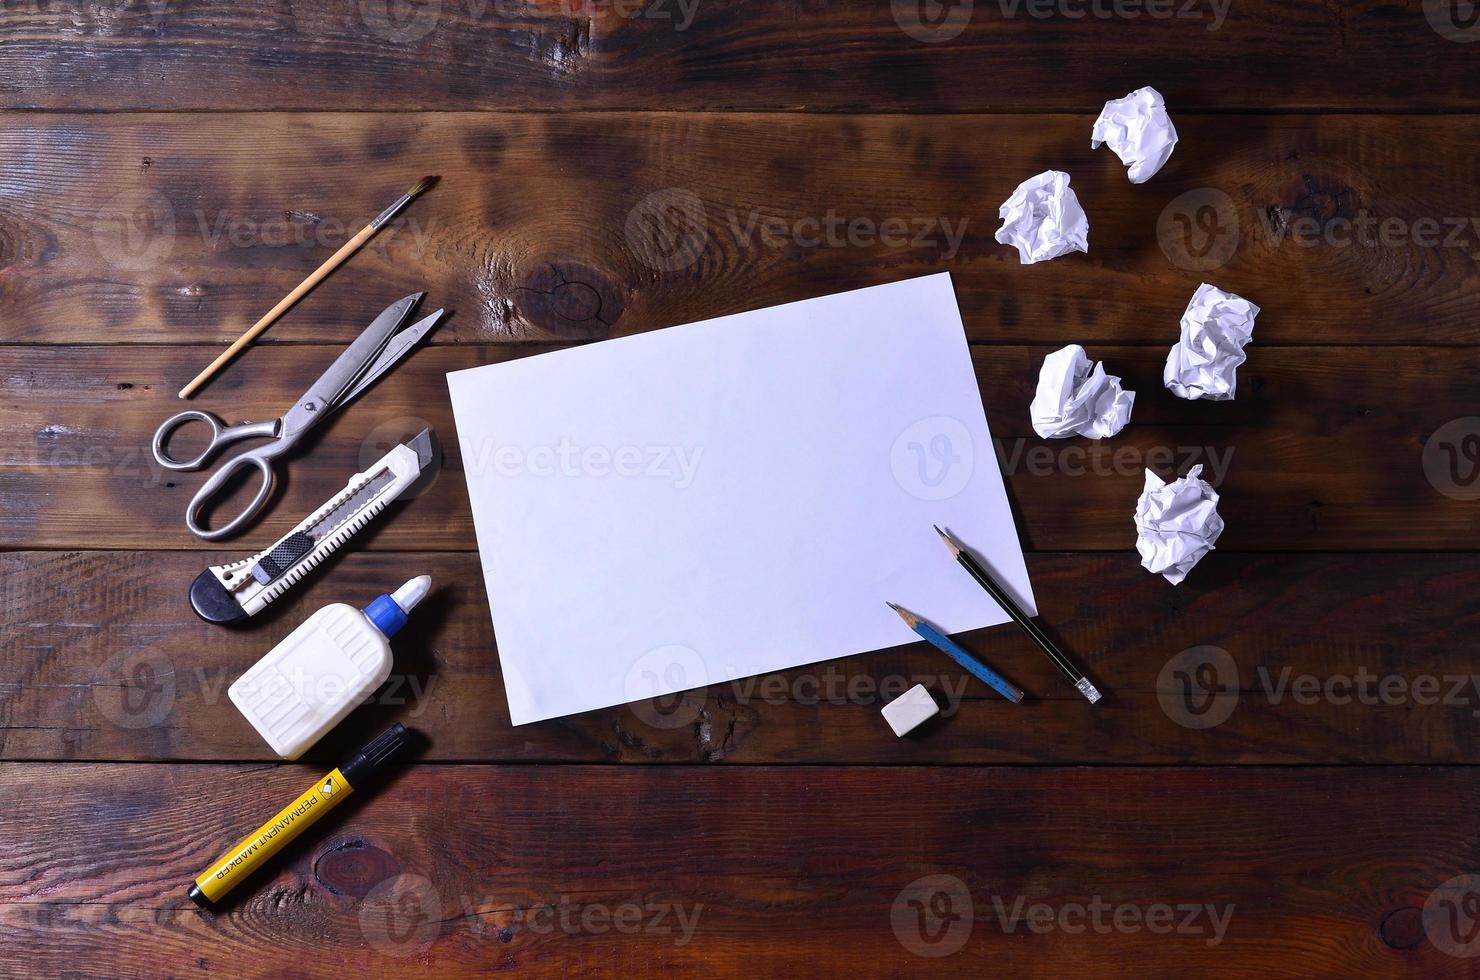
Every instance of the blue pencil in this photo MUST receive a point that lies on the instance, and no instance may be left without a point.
(944, 643)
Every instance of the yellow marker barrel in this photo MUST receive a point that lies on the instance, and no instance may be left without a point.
(271, 837)
(324, 795)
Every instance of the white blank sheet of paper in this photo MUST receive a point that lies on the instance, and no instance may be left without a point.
(731, 497)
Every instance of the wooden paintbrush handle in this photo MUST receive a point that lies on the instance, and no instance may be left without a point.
(333, 262)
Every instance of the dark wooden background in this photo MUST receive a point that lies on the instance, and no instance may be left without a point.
(169, 169)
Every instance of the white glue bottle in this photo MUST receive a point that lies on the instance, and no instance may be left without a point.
(323, 669)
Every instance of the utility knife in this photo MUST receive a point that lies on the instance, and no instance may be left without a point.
(232, 593)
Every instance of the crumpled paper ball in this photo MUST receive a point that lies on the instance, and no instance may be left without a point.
(1139, 130)
(1204, 362)
(1176, 523)
(1043, 220)
(1076, 397)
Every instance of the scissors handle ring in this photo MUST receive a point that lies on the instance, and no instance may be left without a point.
(220, 436)
(163, 433)
(255, 459)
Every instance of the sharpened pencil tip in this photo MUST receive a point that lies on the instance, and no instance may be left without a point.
(950, 541)
(423, 185)
(910, 619)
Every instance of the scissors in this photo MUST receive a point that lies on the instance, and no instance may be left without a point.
(374, 352)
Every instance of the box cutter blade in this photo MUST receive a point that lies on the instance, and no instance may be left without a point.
(232, 593)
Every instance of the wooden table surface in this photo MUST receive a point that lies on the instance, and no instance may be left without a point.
(1280, 780)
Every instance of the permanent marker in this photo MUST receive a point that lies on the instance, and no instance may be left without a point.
(293, 819)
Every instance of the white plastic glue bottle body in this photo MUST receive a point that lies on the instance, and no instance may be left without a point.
(323, 670)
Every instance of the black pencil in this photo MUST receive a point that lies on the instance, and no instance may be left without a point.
(997, 592)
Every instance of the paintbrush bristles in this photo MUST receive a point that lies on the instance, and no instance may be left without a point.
(422, 185)
(950, 542)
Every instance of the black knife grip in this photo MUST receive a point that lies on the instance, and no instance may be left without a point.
(284, 555)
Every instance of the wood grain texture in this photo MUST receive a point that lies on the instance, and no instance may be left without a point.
(577, 226)
(1323, 449)
(1003, 55)
(106, 661)
(615, 167)
(458, 871)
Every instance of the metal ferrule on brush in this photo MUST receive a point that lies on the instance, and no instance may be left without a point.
(390, 212)
(401, 202)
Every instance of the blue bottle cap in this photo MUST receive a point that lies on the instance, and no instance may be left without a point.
(386, 615)
(388, 612)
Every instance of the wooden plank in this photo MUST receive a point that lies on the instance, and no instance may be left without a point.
(1323, 449)
(462, 870)
(1324, 659)
(732, 54)
(568, 227)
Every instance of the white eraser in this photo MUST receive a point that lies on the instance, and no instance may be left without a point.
(910, 710)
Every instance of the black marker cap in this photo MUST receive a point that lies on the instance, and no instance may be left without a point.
(382, 749)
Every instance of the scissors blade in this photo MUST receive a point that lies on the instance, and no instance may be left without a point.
(400, 345)
(328, 392)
